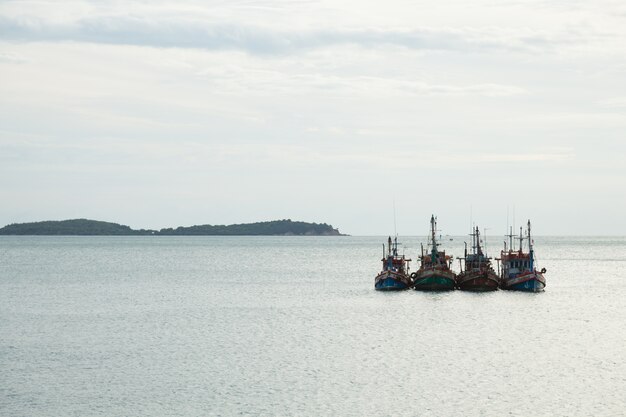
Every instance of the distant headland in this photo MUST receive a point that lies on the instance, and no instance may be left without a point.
(85, 227)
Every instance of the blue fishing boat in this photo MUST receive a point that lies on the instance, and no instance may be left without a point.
(395, 273)
(519, 270)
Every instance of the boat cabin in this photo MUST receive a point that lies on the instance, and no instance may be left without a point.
(439, 260)
(392, 261)
(514, 263)
(395, 263)
(476, 261)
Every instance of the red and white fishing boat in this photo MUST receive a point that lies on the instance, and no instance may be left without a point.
(519, 270)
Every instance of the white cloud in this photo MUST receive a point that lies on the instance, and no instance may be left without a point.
(11, 58)
(220, 111)
(614, 103)
(193, 33)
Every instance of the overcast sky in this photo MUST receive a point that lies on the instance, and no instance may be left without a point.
(157, 114)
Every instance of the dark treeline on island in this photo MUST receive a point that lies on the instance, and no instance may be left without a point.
(84, 227)
(71, 227)
(276, 227)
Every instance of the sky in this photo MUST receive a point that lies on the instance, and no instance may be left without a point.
(366, 115)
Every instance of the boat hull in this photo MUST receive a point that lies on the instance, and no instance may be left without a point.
(391, 281)
(479, 281)
(529, 282)
(434, 281)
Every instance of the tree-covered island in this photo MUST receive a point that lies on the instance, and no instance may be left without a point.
(84, 227)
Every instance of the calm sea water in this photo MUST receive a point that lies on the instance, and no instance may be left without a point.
(190, 326)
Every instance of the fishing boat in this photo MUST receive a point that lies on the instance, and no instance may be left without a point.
(519, 270)
(395, 273)
(478, 274)
(434, 273)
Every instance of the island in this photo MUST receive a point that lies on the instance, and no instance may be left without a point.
(85, 227)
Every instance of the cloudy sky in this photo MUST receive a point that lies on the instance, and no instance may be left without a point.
(156, 114)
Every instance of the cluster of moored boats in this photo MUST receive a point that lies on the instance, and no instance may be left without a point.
(517, 269)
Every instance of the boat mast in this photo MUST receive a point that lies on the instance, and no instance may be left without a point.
(510, 236)
(433, 227)
(478, 249)
(530, 242)
(485, 237)
(530, 249)
(473, 235)
(389, 260)
(463, 258)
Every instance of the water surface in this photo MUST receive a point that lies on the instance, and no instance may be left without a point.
(181, 326)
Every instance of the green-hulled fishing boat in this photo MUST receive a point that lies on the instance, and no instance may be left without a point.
(434, 273)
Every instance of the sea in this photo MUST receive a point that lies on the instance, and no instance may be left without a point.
(292, 326)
